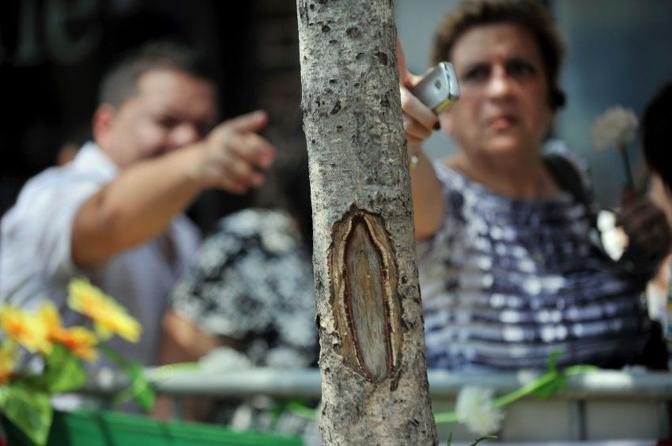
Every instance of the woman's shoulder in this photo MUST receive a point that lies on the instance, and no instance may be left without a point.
(451, 180)
(457, 187)
(556, 152)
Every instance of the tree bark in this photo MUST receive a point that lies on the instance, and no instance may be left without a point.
(369, 311)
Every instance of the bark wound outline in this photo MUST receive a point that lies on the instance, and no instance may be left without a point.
(364, 278)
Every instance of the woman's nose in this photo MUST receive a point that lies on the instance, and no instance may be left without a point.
(500, 83)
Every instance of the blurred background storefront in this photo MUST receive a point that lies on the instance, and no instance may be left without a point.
(53, 52)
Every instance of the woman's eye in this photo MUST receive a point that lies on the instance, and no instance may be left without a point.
(476, 74)
(167, 122)
(517, 68)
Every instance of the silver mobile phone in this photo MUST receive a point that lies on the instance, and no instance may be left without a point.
(438, 89)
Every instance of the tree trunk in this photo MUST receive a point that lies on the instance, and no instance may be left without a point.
(369, 312)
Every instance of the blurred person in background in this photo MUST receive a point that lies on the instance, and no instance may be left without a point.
(114, 213)
(508, 267)
(656, 143)
(248, 298)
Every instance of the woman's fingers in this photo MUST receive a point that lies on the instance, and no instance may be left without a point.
(417, 111)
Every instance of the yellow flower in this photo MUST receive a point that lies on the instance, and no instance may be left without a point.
(7, 361)
(49, 316)
(26, 329)
(79, 340)
(108, 315)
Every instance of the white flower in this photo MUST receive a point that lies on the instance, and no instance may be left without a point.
(615, 128)
(614, 239)
(476, 409)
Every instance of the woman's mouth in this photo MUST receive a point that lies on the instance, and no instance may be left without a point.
(502, 122)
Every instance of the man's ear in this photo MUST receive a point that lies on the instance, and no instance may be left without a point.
(103, 120)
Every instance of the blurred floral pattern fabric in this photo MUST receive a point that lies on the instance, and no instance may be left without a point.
(253, 283)
(505, 282)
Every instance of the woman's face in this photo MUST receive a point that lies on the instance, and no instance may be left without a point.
(503, 106)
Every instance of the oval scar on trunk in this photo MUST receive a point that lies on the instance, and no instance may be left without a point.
(364, 291)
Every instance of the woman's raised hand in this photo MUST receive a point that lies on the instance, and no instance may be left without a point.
(419, 120)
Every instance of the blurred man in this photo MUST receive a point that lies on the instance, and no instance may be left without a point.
(114, 214)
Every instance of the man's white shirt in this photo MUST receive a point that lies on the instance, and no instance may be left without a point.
(35, 252)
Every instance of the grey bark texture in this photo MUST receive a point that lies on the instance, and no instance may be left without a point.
(369, 311)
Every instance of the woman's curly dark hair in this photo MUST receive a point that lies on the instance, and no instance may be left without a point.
(528, 14)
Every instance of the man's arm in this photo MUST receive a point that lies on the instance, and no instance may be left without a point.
(142, 201)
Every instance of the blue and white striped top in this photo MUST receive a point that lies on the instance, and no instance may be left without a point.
(507, 281)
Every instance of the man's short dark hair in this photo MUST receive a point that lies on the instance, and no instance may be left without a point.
(657, 133)
(121, 82)
(527, 14)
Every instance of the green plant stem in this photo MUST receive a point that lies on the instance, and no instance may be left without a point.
(542, 380)
(628, 170)
(139, 389)
(527, 389)
(445, 417)
(442, 417)
(299, 409)
(113, 355)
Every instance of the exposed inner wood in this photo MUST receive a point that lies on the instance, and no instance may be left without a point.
(364, 285)
(366, 308)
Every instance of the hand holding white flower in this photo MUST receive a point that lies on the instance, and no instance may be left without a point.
(616, 128)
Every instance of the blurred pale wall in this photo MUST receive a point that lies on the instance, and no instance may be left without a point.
(619, 53)
(416, 22)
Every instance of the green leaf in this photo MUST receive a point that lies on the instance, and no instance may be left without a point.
(143, 392)
(299, 408)
(63, 371)
(549, 389)
(29, 410)
(140, 389)
(557, 380)
(552, 363)
(279, 407)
